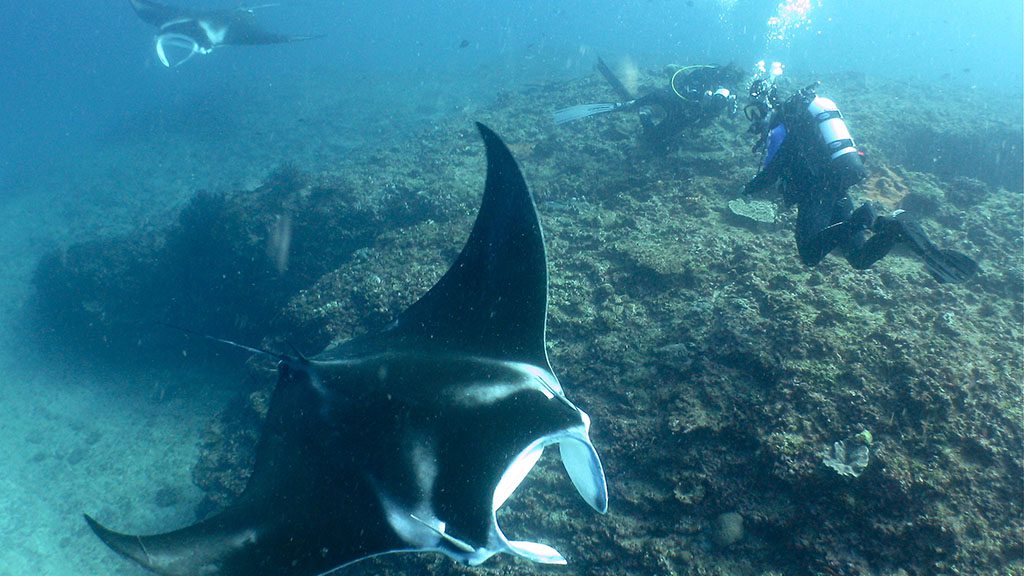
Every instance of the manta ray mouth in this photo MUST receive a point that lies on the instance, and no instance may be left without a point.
(583, 465)
(175, 49)
(579, 458)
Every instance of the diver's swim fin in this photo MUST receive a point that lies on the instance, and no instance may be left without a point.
(950, 266)
(946, 266)
(616, 84)
(573, 113)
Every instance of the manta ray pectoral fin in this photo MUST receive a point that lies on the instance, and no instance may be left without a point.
(124, 544)
(584, 467)
(536, 552)
(157, 14)
(211, 547)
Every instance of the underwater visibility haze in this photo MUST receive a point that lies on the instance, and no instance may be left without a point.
(288, 285)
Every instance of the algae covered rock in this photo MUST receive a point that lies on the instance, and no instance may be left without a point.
(727, 529)
(226, 266)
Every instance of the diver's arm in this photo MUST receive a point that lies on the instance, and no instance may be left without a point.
(770, 173)
(780, 150)
(765, 178)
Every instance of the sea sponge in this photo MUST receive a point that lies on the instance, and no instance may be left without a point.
(848, 463)
(756, 210)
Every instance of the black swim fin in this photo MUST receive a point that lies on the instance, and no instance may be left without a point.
(950, 266)
(946, 266)
(620, 89)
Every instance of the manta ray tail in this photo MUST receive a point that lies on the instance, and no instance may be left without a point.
(299, 358)
(306, 37)
(253, 36)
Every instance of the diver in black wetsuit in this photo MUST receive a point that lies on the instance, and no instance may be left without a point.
(809, 152)
(695, 96)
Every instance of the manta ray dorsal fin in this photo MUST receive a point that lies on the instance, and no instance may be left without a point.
(493, 300)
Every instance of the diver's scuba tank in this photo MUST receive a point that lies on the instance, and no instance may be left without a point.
(718, 100)
(845, 161)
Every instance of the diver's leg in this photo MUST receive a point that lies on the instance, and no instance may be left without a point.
(659, 136)
(816, 232)
(861, 251)
(944, 265)
(875, 248)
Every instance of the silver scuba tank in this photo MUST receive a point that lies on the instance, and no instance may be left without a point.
(831, 126)
(844, 159)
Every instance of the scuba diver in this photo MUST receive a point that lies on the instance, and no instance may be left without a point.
(695, 96)
(809, 153)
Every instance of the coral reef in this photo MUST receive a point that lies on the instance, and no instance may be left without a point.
(715, 366)
(220, 268)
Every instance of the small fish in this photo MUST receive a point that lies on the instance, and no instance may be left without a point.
(464, 43)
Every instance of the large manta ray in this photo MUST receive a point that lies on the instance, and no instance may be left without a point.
(411, 438)
(184, 33)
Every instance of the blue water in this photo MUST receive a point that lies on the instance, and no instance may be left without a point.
(98, 138)
(71, 70)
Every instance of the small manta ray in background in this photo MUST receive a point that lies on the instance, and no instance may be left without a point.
(184, 33)
(411, 438)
